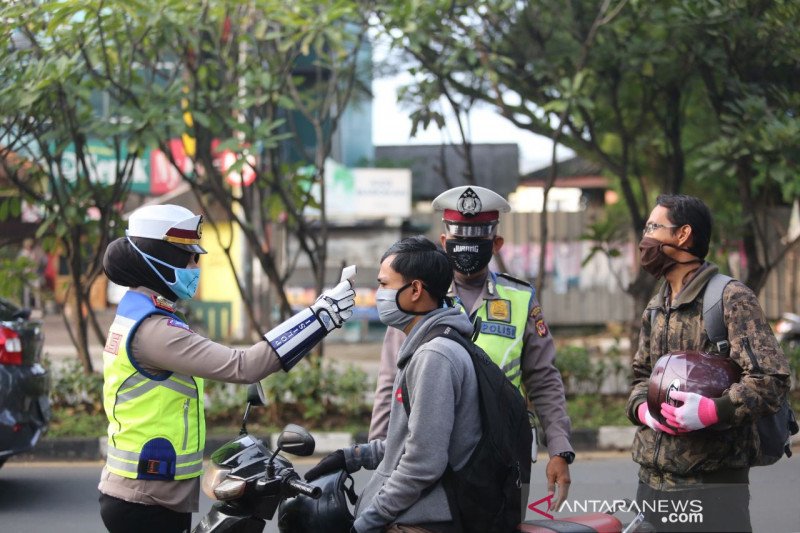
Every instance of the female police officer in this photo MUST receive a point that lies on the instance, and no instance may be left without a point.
(154, 366)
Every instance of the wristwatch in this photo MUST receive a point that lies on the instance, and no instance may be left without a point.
(568, 456)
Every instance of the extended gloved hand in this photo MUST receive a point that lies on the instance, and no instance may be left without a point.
(644, 416)
(334, 306)
(330, 463)
(697, 412)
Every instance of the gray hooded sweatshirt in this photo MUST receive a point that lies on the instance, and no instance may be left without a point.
(443, 427)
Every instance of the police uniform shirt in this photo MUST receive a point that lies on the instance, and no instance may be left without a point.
(160, 345)
(540, 378)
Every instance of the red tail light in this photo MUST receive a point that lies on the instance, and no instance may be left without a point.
(10, 347)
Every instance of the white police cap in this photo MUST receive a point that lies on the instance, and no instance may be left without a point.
(171, 223)
(471, 211)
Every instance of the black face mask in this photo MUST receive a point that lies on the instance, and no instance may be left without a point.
(469, 255)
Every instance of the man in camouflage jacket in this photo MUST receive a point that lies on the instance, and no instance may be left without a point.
(691, 462)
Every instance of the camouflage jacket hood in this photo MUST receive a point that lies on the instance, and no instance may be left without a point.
(675, 460)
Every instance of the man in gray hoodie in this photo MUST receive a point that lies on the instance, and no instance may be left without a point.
(443, 426)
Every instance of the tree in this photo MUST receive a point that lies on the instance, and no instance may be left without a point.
(198, 81)
(625, 84)
(245, 79)
(48, 126)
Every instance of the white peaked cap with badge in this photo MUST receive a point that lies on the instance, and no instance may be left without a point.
(171, 223)
(471, 211)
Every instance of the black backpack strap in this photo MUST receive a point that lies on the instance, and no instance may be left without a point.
(404, 392)
(433, 333)
(714, 314)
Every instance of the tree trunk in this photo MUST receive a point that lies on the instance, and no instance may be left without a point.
(641, 290)
(755, 277)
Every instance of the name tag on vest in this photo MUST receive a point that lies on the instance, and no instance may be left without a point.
(503, 330)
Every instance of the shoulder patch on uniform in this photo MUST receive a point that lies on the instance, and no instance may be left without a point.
(112, 344)
(163, 303)
(541, 328)
(515, 280)
(175, 323)
(536, 312)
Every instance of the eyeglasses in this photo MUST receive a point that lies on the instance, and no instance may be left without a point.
(652, 226)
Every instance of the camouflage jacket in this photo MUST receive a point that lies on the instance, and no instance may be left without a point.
(687, 459)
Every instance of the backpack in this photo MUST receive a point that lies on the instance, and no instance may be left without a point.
(485, 494)
(775, 430)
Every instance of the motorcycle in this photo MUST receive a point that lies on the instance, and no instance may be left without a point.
(788, 330)
(250, 483)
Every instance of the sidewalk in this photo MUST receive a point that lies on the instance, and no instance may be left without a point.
(606, 439)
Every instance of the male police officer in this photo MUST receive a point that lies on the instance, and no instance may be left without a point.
(513, 331)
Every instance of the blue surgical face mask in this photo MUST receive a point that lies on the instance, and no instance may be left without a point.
(186, 279)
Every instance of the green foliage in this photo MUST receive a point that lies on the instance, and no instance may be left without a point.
(72, 388)
(583, 374)
(607, 234)
(792, 352)
(72, 422)
(672, 96)
(86, 78)
(590, 411)
(321, 394)
(76, 400)
(17, 272)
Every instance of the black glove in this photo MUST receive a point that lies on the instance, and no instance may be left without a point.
(330, 463)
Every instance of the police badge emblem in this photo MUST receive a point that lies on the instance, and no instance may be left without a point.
(469, 204)
(541, 328)
(499, 310)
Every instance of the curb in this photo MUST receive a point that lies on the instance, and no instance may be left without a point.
(605, 438)
(94, 448)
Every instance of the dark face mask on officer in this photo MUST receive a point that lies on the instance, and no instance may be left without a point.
(469, 255)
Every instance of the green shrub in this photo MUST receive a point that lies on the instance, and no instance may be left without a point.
(72, 388)
(792, 352)
(583, 375)
(76, 400)
(319, 394)
(590, 411)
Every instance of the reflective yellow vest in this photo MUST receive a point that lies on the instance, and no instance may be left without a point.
(503, 321)
(156, 423)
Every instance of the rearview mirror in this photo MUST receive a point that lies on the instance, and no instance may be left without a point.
(255, 394)
(296, 440)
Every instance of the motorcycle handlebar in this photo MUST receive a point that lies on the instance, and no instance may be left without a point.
(305, 488)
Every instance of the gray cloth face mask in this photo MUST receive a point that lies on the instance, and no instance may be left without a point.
(389, 310)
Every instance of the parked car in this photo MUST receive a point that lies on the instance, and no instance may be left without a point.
(24, 383)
